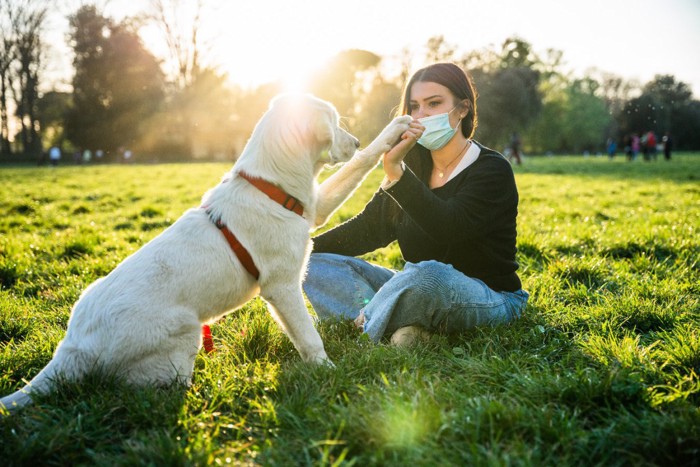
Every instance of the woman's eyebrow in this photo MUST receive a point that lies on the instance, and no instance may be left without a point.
(428, 98)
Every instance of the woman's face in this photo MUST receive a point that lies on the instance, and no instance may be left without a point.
(428, 99)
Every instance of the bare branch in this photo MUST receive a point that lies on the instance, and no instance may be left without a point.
(181, 36)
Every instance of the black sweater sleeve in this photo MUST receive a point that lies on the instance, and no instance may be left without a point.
(372, 228)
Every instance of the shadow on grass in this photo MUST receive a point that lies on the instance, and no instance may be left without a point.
(94, 421)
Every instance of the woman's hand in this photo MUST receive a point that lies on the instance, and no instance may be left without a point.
(394, 157)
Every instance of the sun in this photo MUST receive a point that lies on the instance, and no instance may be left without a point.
(292, 72)
(298, 82)
(292, 68)
(254, 50)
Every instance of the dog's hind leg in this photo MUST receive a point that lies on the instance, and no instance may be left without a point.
(171, 360)
(288, 309)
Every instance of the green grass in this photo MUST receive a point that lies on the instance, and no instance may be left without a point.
(602, 370)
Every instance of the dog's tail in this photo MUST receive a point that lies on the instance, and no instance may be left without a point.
(16, 400)
(42, 382)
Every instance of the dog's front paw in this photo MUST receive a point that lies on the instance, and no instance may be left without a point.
(393, 131)
(322, 360)
(389, 136)
(327, 364)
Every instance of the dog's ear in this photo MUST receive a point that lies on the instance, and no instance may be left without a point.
(324, 131)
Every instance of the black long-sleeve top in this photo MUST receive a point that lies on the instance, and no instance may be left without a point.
(469, 222)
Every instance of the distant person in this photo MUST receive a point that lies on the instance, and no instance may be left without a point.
(635, 145)
(127, 156)
(650, 146)
(99, 154)
(611, 147)
(54, 155)
(515, 148)
(668, 145)
(628, 147)
(451, 204)
(87, 156)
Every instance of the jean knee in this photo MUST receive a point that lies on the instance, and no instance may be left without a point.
(425, 280)
(427, 273)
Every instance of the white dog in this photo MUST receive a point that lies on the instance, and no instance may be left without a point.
(143, 321)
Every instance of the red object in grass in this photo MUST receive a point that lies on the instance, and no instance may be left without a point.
(207, 340)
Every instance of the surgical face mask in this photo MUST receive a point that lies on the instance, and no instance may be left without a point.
(437, 130)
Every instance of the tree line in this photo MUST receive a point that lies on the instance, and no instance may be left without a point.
(122, 98)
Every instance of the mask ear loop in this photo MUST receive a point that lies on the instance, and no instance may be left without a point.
(459, 122)
(465, 103)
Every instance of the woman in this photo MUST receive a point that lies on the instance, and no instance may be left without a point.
(452, 204)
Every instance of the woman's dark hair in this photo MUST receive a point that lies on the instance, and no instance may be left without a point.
(453, 78)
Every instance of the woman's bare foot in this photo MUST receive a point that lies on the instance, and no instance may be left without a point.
(360, 320)
(409, 335)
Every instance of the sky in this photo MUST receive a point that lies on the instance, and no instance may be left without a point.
(259, 41)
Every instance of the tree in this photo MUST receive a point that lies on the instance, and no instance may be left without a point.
(573, 119)
(21, 51)
(439, 50)
(667, 95)
(118, 84)
(546, 132)
(248, 109)
(180, 23)
(517, 53)
(197, 121)
(377, 107)
(7, 53)
(615, 92)
(345, 78)
(85, 122)
(509, 94)
(136, 83)
(52, 107)
(665, 105)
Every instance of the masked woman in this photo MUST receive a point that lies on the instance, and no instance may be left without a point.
(451, 204)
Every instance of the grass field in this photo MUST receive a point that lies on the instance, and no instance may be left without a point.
(602, 370)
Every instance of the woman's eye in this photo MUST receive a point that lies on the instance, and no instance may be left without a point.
(434, 104)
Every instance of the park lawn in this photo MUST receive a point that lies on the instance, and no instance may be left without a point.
(602, 369)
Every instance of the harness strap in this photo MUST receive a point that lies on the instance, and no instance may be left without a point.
(275, 193)
(239, 250)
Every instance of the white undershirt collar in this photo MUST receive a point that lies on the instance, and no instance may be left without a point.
(468, 159)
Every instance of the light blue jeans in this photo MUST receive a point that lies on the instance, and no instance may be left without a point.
(430, 294)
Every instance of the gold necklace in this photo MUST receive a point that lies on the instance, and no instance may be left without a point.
(441, 172)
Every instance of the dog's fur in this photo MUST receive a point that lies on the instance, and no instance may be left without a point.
(143, 321)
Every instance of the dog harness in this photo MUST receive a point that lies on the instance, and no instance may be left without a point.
(276, 194)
